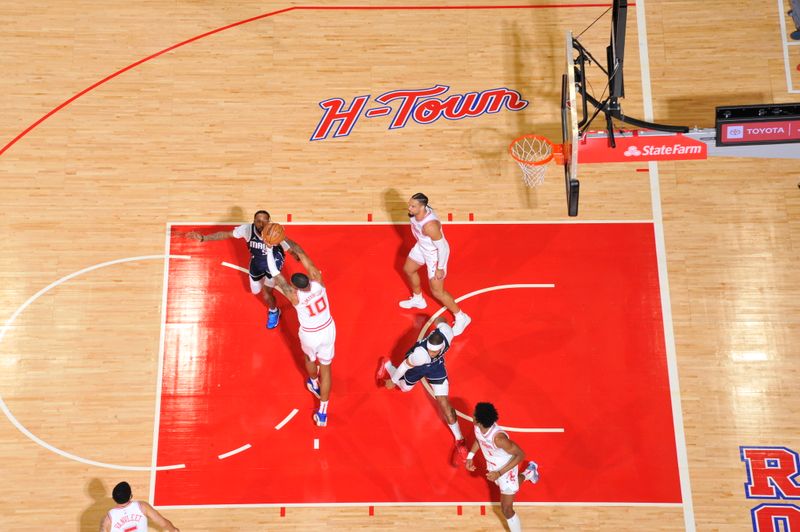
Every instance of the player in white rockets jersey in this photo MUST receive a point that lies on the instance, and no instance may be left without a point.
(502, 457)
(317, 335)
(432, 251)
(130, 515)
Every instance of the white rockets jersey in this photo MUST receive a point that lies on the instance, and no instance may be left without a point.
(312, 308)
(425, 241)
(495, 457)
(128, 518)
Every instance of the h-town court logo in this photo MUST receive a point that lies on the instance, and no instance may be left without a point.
(772, 474)
(420, 105)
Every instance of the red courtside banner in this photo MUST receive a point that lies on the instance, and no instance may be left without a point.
(757, 132)
(633, 146)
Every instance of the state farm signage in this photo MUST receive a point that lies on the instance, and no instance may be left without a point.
(635, 147)
(765, 132)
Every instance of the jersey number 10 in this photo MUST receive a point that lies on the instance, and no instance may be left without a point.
(320, 305)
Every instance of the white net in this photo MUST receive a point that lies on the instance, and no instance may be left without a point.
(532, 154)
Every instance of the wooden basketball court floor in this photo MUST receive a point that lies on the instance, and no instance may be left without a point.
(218, 128)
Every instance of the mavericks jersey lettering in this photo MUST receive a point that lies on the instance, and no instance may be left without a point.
(265, 260)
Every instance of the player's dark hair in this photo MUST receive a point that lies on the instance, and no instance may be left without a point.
(300, 280)
(121, 493)
(420, 197)
(262, 212)
(436, 338)
(486, 414)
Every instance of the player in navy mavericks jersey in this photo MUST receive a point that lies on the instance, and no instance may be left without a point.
(425, 360)
(265, 261)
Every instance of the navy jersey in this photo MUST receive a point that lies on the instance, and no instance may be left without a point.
(434, 371)
(264, 260)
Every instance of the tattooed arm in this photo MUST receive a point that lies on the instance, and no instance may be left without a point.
(300, 254)
(287, 289)
(219, 235)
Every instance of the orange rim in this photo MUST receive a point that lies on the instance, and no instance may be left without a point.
(553, 150)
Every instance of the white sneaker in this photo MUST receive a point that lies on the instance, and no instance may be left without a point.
(531, 473)
(462, 320)
(415, 301)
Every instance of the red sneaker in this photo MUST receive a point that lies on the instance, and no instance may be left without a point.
(382, 374)
(461, 451)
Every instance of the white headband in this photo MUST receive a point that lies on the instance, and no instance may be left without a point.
(435, 347)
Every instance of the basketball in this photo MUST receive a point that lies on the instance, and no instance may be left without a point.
(273, 234)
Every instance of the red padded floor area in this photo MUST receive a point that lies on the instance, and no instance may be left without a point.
(587, 356)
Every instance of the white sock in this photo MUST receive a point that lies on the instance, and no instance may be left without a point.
(391, 369)
(514, 524)
(460, 315)
(456, 430)
(417, 295)
(323, 407)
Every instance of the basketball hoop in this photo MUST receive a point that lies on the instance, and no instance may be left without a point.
(532, 153)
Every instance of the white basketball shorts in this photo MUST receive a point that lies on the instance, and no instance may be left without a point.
(319, 345)
(428, 258)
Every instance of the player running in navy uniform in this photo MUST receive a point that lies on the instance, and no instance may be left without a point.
(265, 261)
(426, 360)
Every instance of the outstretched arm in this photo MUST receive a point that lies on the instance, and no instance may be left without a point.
(219, 235)
(300, 254)
(153, 515)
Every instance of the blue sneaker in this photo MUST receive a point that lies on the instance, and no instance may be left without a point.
(531, 472)
(311, 388)
(320, 419)
(273, 317)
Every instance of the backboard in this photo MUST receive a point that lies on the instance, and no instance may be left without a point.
(569, 127)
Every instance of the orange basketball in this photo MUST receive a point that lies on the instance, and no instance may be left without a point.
(273, 234)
